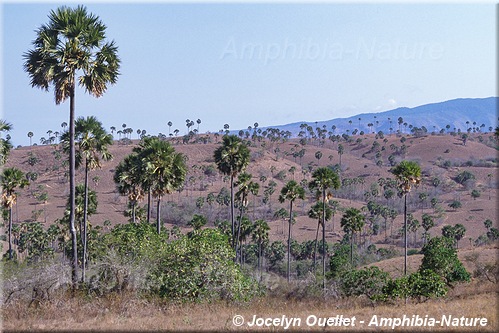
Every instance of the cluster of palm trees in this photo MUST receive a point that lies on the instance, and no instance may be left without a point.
(154, 168)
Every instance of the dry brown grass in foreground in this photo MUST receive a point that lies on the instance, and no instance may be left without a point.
(124, 312)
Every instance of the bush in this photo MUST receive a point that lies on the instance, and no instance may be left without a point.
(197, 266)
(368, 281)
(201, 267)
(440, 256)
(421, 285)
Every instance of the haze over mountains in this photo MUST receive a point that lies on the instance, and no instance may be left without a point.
(435, 116)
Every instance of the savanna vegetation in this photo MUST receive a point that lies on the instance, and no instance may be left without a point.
(232, 220)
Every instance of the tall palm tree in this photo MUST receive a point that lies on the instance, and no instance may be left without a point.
(92, 142)
(324, 179)
(30, 136)
(316, 212)
(260, 235)
(129, 180)
(5, 145)
(408, 174)
(352, 221)
(164, 169)
(232, 158)
(71, 48)
(291, 191)
(10, 180)
(245, 188)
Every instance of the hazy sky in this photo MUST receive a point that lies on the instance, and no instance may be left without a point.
(270, 63)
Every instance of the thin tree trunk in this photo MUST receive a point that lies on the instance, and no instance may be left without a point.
(405, 235)
(351, 248)
(85, 213)
(10, 233)
(289, 238)
(72, 188)
(158, 212)
(149, 205)
(315, 245)
(134, 203)
(238, 243)
(233, 226)
(324, 240)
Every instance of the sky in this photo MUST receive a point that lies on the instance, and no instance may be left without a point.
(271, 63)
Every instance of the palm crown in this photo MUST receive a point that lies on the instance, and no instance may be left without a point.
(72, 42)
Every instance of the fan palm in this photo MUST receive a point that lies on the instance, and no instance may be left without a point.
(245, 187)
(10, 180)
(408, 174)
(232, 157)
(164, 169)
(260, 235)
(5, 145)
(291, 191)
(324, 179)
(71, 48)
(128, 177)
(92, 142)
(352, 221)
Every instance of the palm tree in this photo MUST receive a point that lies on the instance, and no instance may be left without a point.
(72, 45)
(324, 179)
(92, 141)
(232, 158)
(128, 177)
(352, 221)
(316, 212)
(291, 191)
(408, 174)
(260, 235)
(5, 145)
(30, 135)
(341, 150)
(164, 169)
(10, 180)
(246, 187)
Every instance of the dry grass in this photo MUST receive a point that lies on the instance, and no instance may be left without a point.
(126, 312)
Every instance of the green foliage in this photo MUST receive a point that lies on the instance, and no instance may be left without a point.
(198, 266)
(275, 254)
(369, 281)
(440, 256)
(421, 285)
(201, 267)
(340, 260)
(464, 176)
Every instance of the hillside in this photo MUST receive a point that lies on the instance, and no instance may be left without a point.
(462, 113)
(441, 156)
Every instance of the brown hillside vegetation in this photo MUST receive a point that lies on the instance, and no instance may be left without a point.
(357, 162)
(364, 164)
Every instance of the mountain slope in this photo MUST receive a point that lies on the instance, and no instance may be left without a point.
(435, 116)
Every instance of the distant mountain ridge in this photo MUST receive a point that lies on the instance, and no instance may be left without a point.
(435, 116)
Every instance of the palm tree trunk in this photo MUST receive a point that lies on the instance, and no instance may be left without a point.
(405, 235)
(85, 210)
(149, 205)
(72, 188)
(10, 233)
(158, 212)
(289, 238)
(315, 245)
(233, 226)
(351, 249)
(324, 240)
(133, 211)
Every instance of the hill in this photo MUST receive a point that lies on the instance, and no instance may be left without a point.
(366, 159)
(462, 113)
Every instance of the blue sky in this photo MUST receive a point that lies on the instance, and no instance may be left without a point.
(241, 63)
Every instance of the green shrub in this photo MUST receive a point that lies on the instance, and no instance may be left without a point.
(368, 281)
(440, 256)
